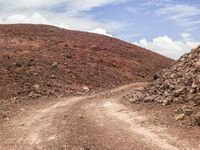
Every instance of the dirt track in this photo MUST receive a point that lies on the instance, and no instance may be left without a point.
(98, 121)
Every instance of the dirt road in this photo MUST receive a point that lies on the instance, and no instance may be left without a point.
(97, 122)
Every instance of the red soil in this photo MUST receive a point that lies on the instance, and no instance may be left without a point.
(41, 61)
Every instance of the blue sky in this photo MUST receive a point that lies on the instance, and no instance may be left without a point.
(169, 27)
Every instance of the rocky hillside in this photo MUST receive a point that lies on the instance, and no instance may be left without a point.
(42, 61)
(178, 84)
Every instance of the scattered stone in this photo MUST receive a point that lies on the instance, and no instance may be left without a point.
(86, 89)
(133, 100)
(36, 88)
(179, 117)
(197, 65)
(54, 64)
(135, 96)
(155, 77)
(80, 116)
(4, 116)
(165, 102)
(7, 119)
(185, 110)
(196, 118)
(53, 76)
(22, 124)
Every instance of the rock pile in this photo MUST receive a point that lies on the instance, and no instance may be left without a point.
(178, 84)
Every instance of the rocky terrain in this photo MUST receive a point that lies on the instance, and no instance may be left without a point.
(95, 122)
(62, 89)
(38, 61)
(180, 84)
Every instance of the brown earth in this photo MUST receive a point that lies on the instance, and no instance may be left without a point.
(97, 122)
(38, 61)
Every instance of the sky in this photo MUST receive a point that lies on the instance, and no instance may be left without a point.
(168, 27)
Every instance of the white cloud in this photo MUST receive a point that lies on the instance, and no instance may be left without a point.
(100, 31)
(76, 5)
(187, 37)
(89, 4)
(36, 18)
(71, 23)
(16, 18)
(75, 23)
(156, 2)
(63, 13)
(181, 14)
(180, 10)
(168, 47)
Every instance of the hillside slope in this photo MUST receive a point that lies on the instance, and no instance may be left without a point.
(41, 61)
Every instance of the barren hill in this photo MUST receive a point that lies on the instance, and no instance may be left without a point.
(41, 61)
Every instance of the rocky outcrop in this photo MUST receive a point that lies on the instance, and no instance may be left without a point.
(178, 84)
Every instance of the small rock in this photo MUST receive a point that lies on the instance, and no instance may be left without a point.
(36, 87)
(80, 116)
(165, 102)
(22, 124)
(133, 100)
(7, 119)
(180, 116)
(4, 116)
(54, 64)
(53, 76)
(86, 89)
(197, 65)
(155, 77)
(187, 111)
(35, 73)
(149, 99)
(196, 118)
(178, 92)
